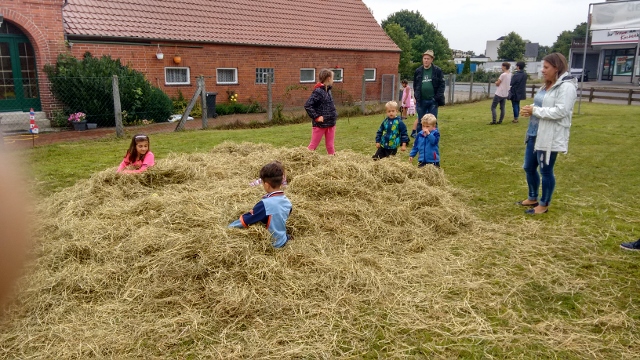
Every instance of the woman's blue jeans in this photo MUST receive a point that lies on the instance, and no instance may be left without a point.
(515, 104)
(532, 160)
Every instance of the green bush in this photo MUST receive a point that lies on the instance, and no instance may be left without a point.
(86, 85)
(158, 105)
(237, 108)
(59, 119)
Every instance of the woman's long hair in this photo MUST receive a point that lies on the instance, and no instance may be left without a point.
(559, 62)
(132, 153)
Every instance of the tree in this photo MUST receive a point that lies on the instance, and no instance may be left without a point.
(432, 39)
(400, 37)
(512, 48)
(543, 51)
(563, 42)
(412, 22)
(467, 66)
(423, 36)
(471, 53)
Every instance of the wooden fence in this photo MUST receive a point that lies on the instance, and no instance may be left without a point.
(591, 93)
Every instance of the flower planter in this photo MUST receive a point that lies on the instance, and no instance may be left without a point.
(177, 60)
(92, 126)
(79, 125)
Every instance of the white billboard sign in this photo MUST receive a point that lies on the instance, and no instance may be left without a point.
(612, 37)
(615, 15)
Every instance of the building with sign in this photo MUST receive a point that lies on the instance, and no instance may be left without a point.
(610, 55)
(612, 51)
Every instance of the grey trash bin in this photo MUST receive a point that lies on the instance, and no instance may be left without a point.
(211, 105)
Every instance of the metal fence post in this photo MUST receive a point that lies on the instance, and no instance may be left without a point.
(203, 98)
(471, 88)
(117, 107)
(363, 97)
(450, 91)
(453, 89)
(269, 98)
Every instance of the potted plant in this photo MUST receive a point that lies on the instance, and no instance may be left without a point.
(79, 121)
(176, 58)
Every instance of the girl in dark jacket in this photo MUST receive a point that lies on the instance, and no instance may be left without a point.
(322, 111)
(518, 89)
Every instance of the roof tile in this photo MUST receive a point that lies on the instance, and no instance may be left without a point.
(334, 24)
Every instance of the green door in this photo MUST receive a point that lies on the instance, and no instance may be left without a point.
(18, 77)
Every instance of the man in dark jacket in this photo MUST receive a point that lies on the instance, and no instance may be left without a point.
(518, 89)
(428, 88)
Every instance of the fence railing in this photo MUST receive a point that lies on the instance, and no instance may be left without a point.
(598, 93)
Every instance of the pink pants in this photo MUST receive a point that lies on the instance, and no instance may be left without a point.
(329, 136)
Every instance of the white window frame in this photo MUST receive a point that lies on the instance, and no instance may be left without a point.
(313, 80)
(235, 76)
(177, 83)
(341, 73)
(374, 74)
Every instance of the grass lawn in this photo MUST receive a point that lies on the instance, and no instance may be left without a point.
(594, 208)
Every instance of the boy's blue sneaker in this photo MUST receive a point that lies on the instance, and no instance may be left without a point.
(633, 246)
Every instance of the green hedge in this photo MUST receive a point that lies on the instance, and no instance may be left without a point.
(86, 85)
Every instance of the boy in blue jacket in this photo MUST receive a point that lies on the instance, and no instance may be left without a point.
(274, 208)
(426, 143)
(391, 134)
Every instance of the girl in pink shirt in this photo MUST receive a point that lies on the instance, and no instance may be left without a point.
(406, 98)
(138, 157)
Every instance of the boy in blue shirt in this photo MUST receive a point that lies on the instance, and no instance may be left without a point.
(392, 133)
(274, 208)
(427, 143)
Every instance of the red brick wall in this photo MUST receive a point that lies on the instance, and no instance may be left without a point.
(203, 59)
(41, 21)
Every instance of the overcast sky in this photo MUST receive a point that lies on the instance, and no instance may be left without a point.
(469, 24)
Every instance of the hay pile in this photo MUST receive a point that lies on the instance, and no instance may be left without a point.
(386, 261)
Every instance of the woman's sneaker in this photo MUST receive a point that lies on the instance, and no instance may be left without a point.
(633, 246)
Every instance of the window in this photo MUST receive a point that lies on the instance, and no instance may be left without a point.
(307, 75)
(337, 75)
(176, 76)
(369, 74)
(262, 73)
(227, 76)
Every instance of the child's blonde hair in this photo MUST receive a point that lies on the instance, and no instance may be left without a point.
(391, 105)
(429, 119)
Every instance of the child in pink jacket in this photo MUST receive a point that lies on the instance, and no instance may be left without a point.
(138, 157)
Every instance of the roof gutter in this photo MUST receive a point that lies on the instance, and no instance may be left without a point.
(129, 40)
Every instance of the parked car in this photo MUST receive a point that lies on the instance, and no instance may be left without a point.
(577, 73)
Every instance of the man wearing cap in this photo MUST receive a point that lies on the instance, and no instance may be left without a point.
(428, 88)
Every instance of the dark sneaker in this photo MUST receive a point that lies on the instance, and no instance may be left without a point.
(491, 123)
(413, 133)
(633, 246)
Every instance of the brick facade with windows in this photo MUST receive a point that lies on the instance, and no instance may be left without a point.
(204, 59)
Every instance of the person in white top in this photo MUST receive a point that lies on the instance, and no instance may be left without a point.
(502, 91)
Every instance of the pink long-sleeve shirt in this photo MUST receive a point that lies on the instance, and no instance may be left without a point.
(139, 165)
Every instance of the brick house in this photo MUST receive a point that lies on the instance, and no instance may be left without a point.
(235, 44)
